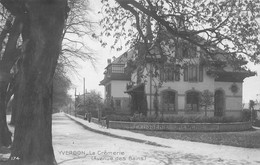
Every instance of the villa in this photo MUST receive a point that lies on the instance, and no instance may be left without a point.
(174, 88)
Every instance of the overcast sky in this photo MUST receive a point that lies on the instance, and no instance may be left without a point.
(251, 86)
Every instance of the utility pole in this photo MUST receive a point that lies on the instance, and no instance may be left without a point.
(84, 94)
(151, 76)
(75, 105)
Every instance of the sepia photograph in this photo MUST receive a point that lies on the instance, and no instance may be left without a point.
(129, 82)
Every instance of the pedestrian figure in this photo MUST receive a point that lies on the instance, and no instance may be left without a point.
(89, 117)
(86, 116)
(107, 122)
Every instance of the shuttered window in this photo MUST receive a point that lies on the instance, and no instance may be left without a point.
(193, 73)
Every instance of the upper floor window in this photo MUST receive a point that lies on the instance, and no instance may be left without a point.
(117, 68)
(170, 74)
(193, 73)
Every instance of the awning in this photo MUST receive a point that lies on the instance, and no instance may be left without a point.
(225, 76)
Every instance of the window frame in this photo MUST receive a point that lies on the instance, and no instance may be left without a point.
(193, 102)
(170, 103)
(193, 73)
(169, 74)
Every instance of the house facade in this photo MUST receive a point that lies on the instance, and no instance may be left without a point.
(115, 81)
(175, 88)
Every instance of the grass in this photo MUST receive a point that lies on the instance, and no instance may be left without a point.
(247, 139)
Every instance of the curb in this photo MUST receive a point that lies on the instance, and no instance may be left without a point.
(117, 136)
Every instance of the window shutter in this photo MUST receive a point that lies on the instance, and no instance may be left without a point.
(162, 75)
(201, 73)
(186, 74)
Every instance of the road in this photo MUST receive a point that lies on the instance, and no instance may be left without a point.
(74, 145)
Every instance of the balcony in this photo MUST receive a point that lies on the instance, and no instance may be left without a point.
(115, 72)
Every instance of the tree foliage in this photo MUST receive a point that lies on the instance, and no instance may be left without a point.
(78, 27)
(252, 104)
(216, 27)
(206, 100)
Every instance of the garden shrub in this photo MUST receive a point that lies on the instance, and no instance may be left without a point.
(246, 115)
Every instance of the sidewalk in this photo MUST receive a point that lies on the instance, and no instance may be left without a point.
(211, 150)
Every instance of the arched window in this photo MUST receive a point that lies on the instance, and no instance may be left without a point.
(192, 101)
(169, 100)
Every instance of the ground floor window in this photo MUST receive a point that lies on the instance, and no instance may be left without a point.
(169, 100)
(118, 103)
(192, 101)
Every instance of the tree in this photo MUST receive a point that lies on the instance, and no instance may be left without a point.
(227, 27)
(11, 29)
(93, 102)
(252, 110)
(206, 100)
(251, 104)
(41, 24)
(78, 26)
(61, 85)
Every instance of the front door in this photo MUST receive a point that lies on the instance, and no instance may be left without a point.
(219, 104)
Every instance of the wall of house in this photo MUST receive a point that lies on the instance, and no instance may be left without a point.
(117, 91)
(118, 88)
(233, 100)
(181, 87)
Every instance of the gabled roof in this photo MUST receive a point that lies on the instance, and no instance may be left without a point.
(115, 76)
(122, 59)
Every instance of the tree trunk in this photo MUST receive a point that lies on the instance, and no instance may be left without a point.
(33, 136)
(14, 107)
(5, 134)
(6, 63)
(15, 87)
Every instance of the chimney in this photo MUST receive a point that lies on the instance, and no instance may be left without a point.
(114, 58)
(108, 61)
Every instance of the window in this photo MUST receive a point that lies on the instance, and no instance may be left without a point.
(118, 103)
(170, 74)
(108, 91)
(192, 101)
(169, 100)
(139, 75)
(193, 73)
(117, 68)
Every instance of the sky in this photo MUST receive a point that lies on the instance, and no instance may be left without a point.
(93, 75)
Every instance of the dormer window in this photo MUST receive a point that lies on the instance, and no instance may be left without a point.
(118, 68)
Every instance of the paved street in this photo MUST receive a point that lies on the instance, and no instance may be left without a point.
(75, 145)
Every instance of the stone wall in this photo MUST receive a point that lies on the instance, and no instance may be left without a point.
(183, 127)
